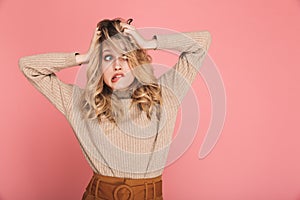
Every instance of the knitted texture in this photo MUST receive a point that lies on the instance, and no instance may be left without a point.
(125, 149)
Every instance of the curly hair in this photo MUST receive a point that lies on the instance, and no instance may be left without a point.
(96, 100)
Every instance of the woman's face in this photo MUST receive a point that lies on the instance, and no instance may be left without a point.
(115, 68)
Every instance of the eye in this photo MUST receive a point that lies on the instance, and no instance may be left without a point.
(108, 57)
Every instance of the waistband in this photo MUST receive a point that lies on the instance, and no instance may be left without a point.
(128, 181)
(117, 188)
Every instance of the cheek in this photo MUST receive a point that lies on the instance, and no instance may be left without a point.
(127, 67)
(131, 71)
(106, 77)
(105, 69)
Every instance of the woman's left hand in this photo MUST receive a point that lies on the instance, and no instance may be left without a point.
(131, 31)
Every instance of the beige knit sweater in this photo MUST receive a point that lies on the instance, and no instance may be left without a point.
(126, 149)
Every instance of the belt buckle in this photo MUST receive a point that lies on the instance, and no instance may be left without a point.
(119, 187)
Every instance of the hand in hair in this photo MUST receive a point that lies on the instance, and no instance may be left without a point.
(131, 32)
(84, 58)
(94, 41)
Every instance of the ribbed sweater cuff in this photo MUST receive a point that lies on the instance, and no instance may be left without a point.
(70, 59)
(183, 41)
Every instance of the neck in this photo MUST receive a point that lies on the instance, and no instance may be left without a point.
(128, 91)
(132, 85)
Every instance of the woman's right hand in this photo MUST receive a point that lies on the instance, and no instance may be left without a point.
(94, 41)
(84, 58)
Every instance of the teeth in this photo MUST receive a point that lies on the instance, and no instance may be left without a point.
(117, 76)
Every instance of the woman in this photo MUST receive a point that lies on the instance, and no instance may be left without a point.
(124, 117)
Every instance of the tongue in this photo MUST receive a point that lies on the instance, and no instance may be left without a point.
(114, 79)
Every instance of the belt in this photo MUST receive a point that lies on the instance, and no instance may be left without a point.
(117, 188)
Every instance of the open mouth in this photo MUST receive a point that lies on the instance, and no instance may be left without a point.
(116, 77)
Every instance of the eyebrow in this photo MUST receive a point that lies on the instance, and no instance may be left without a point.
(106, 50)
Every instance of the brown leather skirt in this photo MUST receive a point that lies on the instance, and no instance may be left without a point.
(103, 187)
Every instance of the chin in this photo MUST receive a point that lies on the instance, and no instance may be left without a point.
(119, 88)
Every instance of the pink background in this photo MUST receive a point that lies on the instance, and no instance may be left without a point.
(255, 45)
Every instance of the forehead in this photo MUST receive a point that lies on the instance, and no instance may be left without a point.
(115, 46)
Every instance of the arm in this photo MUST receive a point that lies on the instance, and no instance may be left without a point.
(40, 71)
(193, 47)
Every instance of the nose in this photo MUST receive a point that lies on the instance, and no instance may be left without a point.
(117, 65)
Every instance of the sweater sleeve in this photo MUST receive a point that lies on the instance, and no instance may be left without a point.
(40, 71)
(193, 47)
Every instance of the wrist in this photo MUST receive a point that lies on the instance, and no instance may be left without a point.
(151, 44)
(81, 58)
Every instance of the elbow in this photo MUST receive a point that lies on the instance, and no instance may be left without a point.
(203, 40)
(207, 40)
(21, 64)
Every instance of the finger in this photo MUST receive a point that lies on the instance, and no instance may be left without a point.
(96, 30)
(124, 25)
(126, 30)
(126, 33)
(129, 21)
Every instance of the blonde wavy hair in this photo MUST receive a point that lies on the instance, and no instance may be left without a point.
(96, 100)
